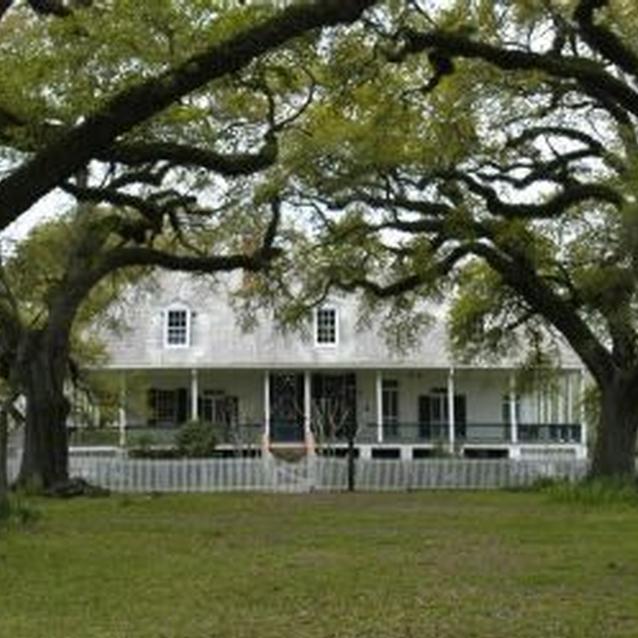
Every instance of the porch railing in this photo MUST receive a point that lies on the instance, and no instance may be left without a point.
(244, 434)
(286, 432)
(414, 433)
(550, 433)
(249, 434)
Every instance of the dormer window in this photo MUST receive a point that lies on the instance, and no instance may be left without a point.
(326, 326)
(177, 327)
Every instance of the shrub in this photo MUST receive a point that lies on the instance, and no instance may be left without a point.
(155, 453)
(196, 439)
(16, 510)
(593, 492)
(5, 509)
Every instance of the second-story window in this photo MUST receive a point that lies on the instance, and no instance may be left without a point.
(177, 327)
(326, 329)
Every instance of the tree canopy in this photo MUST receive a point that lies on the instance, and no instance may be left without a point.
(486, 151)
(125, 82)
(156, 120)
(482, 150)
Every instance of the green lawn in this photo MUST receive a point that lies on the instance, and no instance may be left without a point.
(405, 565)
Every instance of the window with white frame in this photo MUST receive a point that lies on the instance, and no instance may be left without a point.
(326, 328)
(177, 327)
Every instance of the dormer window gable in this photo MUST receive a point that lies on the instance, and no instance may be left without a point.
(326, 326)
(177, 326)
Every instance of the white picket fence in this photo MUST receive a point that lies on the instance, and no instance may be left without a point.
(314, 474)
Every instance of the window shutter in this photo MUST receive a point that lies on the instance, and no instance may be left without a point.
(425, 409)
(151, 398)
(182, 405)
(460, 409)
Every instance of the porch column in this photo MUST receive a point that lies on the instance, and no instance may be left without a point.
(122, 410)
(379, 403)
(450, 408)
(513, 419)
(267, 406)
(569, 403)
(194, 395)
(581, 408)
(307, 412)
(561, 401)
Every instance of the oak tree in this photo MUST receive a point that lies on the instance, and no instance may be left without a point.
(166, 133)
(498, 135)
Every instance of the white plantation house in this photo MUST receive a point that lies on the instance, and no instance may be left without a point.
(185, 357)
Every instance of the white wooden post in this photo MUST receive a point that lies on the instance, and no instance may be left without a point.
(267, 406)
(307, 412)
(379, 403)
(194, 395)
(122, 410)
(581, 400)
(513, 416)
(569, 408)
(450, 409)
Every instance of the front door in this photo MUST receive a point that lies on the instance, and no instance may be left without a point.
(286, 407)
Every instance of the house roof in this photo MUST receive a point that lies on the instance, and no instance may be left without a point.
(218, 340)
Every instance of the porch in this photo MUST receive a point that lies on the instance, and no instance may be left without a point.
(318, 409)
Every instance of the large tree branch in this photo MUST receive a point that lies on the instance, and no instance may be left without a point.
(137, 153)
(603, 40)
(596, 148)
(522, 278)
(152, 212)
(141, 256)
(569, 196)
(591, 77)
(89, 266)
(408, 283)
(555, 170)
(74, 148)
(426, 208)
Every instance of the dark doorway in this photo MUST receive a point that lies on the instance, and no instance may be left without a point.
(286, 407)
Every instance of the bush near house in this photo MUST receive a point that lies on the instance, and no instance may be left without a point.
(196, 439)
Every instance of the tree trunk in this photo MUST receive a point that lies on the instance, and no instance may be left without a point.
(42, 369)
(4, 479)
(615, 447)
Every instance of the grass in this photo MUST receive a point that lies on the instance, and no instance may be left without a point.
(371, 565)
(593, 493)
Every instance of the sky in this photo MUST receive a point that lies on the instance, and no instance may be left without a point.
(49, 206)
